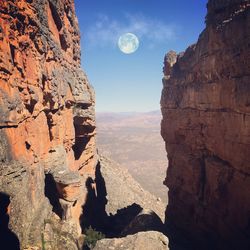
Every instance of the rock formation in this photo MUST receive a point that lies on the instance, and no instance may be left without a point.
(47, 123)
(140, 241)
(206, 126)
(117, 205)
(123, 190)
(52, 185)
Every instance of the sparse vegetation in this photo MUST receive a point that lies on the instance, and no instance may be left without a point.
(43, 242)
(92, 236)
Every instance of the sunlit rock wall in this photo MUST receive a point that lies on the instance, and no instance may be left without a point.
(47, 123)
(206, 127)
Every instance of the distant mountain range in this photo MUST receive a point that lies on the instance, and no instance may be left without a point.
(149, 120)
(133, 140)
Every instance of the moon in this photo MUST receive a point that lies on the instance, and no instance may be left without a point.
(128, 43)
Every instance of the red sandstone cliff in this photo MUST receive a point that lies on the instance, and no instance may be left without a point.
(206, 126)
(47, 124)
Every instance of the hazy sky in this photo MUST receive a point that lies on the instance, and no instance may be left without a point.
(132, 82)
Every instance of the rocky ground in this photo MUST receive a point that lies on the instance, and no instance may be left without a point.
(123, 190)
(118, 206)
(140, 241)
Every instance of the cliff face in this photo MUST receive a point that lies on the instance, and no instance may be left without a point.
(206, 126)
(47, 124)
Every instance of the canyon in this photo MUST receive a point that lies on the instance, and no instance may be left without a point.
(55, 185)
(52, 187)
(206, 128)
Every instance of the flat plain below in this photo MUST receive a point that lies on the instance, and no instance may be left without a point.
(133, 140)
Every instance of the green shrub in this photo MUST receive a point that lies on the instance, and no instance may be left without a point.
(92, 236)
(43, 242)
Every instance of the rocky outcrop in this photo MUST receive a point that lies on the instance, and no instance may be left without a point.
(140, 241)
(206, 126)
(117, 205)
(146, 220)
(122, 190)
(47, 124)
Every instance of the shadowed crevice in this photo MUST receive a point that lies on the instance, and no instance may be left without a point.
(94, 213)
(83, 134)
(52, 194)
(8, 239)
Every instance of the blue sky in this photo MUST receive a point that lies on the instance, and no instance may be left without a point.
(132, 82)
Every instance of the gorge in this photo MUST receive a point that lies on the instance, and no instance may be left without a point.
(54, 184)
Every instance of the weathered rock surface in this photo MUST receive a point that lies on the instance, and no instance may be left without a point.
(47, 124)
(141, 241)
(146, 220)
(116, 204)
(206, 126)
(123, 190)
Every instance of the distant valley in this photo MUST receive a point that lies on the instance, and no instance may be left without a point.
(134, 141)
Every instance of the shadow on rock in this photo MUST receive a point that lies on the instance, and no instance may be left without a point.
(182, 240)
(124, 222)
(146, 220)
(8, 239)
(52, 194)
(122, 219)
(93, 212)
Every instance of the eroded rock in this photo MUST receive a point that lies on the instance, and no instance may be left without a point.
(146, 220)
(116, 204)
(47, 120)
(140, 241)
(206, 127)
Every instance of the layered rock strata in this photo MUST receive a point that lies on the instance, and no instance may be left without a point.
(47, 123)
(206, 126)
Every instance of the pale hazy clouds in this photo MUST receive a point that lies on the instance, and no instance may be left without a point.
(106, 31)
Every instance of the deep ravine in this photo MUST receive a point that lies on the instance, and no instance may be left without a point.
(54, 186)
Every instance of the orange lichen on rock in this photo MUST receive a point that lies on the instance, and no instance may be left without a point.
(43, 96)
